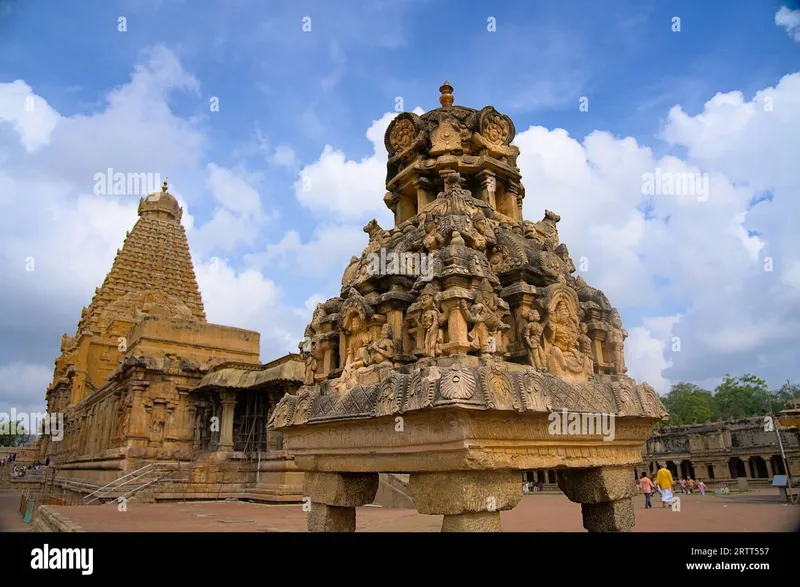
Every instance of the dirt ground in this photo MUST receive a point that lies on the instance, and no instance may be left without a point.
(757, 511)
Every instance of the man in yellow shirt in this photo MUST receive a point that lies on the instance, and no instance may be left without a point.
(665, 482)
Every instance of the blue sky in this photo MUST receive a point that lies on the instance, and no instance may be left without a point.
(285, 94)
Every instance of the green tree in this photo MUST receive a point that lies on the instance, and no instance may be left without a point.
(741, 397)
(689, 404)
(779, 397)
(12, 435)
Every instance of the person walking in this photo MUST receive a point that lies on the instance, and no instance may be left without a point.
(647, 488)
(702, 487)
(665, 482)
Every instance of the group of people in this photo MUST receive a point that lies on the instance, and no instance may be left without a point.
(20, 470)
(529, 487)
(9, 458)
(663, 483)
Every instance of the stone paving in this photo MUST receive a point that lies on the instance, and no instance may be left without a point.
(757, 511)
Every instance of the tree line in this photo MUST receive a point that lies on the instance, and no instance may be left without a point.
(735, 397)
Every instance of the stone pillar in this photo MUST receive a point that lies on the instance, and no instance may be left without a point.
(604, 494)
(515, 200)
(425, 193)
(457, 326)
(334, 498)
(226, 422)
(488, 187)
(470, 501)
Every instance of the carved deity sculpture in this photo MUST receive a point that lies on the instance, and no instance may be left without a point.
(584, 342)
(311, 369)
(617, 336)
(383, 350)
(484, 228)
(477, 315)
(357, 345)
(533, 339)
(431, 320)
(564, 357)
(432, 240)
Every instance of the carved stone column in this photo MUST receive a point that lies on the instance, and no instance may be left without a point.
(604, 494)
(334, 498)
(425, 194)
(488, 186)
(471, 501)
(226, 424)
(457, 326)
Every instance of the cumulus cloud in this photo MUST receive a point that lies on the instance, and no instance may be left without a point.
(790, 20)
(712, 256)
(349, 189)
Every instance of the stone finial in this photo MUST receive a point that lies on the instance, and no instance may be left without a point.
(164, 186)
(446, 98)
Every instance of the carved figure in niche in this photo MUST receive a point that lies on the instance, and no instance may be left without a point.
(432, 240)
(533, 339)
(311, 369)
(584, 342)
(431, 320)
(617, 336)
(484, 316)
(383, 350)
(564, 357)
(357, 345)
(484, 228)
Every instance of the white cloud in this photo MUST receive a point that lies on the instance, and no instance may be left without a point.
(246, 299)
(284, 156)
(351, 190)
(790, 20)
(30, 115)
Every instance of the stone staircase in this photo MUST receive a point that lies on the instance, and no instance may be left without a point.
(138, 484)
(394, 492)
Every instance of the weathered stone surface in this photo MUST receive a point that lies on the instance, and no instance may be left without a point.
(460, 492)
(123, 381)
(597, 485)
(609, 516)
(479, 522)
(341, 490)
(326, 518)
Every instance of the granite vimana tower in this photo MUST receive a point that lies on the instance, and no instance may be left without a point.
(145, 374)
(450, 376)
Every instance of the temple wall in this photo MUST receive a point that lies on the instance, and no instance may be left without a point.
(192, 341)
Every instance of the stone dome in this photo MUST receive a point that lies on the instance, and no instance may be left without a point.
(161, 205)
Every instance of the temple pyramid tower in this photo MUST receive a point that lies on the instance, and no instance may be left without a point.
(154, 256)
(123, 381)
(459, 336)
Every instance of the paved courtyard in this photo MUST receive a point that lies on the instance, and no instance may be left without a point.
(757, 511)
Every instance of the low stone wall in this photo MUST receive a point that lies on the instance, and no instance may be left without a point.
(48, 520)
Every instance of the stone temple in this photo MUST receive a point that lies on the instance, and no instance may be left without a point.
(460, 351)
(154, 396)
(455, 375)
